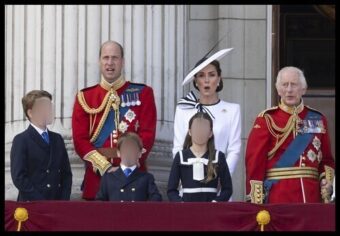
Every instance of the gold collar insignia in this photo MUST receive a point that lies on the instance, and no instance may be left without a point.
(292, 109)
(115, 85)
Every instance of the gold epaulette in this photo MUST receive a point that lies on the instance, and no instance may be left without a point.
(261, 114)
(98, 161)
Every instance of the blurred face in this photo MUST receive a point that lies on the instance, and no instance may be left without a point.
(111, 62)
(41, 113)
(290, 88)
(200, 131)
(207, 80)
(129, 153)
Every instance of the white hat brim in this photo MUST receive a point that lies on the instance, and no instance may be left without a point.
(216, 56)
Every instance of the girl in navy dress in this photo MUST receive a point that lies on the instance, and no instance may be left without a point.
(199, 167)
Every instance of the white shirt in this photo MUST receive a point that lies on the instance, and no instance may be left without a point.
(132, 168)
(40, 131)
(226, 129)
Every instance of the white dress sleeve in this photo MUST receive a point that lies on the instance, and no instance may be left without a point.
(179, 131)
(234, 142)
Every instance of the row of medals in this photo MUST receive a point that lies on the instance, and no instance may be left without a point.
(127, 100)
(311, 126)
(130, 99)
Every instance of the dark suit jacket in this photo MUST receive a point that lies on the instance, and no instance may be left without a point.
(39, 170)
(138, 186)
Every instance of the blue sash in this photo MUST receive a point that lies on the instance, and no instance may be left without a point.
(293, 152)
(109, 124)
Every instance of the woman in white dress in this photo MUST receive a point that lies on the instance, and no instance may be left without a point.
(226, 116)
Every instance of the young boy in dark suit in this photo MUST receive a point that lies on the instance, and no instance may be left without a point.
(40, 165)
(128, 183)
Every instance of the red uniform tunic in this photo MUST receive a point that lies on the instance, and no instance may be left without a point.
(89, 114)
(294, 186)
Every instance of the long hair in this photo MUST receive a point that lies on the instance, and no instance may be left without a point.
(211, 172)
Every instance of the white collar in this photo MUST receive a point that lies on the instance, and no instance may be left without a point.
(131, 167)
(40, 131)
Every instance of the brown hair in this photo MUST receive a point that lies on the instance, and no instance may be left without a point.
(211, 173)
(130, 136)
(29, 99)
(216, 64)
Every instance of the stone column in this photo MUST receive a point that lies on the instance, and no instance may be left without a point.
(56, 48)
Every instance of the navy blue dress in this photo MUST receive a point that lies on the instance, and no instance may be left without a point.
(195, 190)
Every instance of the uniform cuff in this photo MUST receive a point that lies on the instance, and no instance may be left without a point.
(256, 194)
(328, 174)
(98, 161)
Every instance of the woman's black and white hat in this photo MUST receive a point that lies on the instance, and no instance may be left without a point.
(218, 55)
(206, 61)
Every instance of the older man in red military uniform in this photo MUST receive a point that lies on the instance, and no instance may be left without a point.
(105, 111)
(288, 155)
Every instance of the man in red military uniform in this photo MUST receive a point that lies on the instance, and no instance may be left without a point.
(105, 111)
(288, 155)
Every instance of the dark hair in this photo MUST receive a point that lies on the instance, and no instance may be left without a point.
(107, 42)
(211, 173)
(29, 99)
(216, 64)
(129, 136)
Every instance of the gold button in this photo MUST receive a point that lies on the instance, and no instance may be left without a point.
(303, 158)
(303, 164)
(133, 189)
(48, 185)
(115, 140)
(258, 190)
(122, 190)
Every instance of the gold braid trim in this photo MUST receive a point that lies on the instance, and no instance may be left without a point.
(111, 99)
(115, 85)
(98, 161)
(285, 132)
(101, 122)
(114, 102)
(292, 172)
(88, 109)
(281, 130)
(329, 174)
